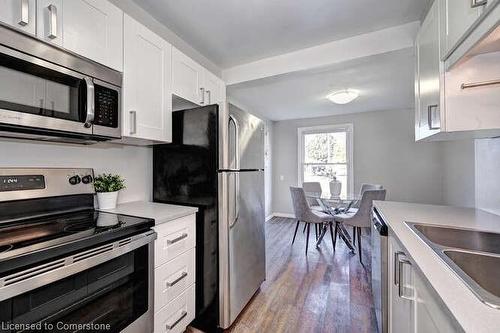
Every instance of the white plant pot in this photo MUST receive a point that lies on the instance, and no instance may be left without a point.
(107, 200)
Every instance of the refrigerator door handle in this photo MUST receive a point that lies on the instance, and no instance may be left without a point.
(236, 152)
(236, 199)
(236, 141)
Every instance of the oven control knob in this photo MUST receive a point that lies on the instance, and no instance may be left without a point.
(87, 179)
(75, 180)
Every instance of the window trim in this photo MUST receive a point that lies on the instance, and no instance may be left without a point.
(348, 128)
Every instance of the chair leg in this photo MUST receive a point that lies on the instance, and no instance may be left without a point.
(305, 226)
(336, 232)
(316, 230)
(334, 238)
(359, 246)
(354, 235)
(307, 235)
(295, 233)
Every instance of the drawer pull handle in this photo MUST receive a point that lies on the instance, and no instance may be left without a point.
(401, 262)
(396, 270)
(183, 315)
(173, 283)
(178, 239)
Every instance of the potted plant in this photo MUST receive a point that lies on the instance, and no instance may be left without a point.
(107, 186)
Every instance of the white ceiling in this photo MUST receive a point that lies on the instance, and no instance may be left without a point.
(233, 32)
(385, 82)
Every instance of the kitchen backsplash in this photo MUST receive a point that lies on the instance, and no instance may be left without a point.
(488, 174)
(133, 163)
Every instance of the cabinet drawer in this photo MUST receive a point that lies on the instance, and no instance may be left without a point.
(174, 238)
(176, 315)
(173, 277)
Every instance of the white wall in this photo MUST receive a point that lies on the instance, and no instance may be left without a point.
(487, 159)
(458, 173)
(384, 153)
(135, 164)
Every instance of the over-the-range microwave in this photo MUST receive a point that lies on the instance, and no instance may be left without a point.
(49, 94)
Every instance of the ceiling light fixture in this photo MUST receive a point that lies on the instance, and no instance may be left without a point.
(343, 96)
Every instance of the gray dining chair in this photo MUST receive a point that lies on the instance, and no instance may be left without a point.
(363, 216)
(304, 213)
(313, 188)
(364, 187)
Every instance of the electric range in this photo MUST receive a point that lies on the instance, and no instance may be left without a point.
(61, 258)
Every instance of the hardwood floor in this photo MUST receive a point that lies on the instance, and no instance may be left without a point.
(320, 292)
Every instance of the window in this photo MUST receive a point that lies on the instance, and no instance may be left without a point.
(325, 154)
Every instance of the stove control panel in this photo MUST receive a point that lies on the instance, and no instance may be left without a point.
(30, 183)
(21, 182)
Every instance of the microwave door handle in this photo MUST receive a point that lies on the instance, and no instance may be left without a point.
(89, 118)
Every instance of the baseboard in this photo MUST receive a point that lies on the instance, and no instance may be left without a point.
(277, 214)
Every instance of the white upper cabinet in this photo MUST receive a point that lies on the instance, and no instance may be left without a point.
(428, 77)
(94, 29)
(213, 89)
(19, 14)
(90, 28)
(460, 101)
(147, 98)
(49, 21)
(459, 15)
(193, 82)
(187, 76)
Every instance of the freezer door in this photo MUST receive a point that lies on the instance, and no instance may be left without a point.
(246, 140)
(245, 255)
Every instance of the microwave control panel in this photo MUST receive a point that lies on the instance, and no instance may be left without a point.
(106, 106)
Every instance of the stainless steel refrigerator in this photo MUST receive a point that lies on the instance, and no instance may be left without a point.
(216, 162)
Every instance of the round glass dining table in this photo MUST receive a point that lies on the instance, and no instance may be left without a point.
(335, 206)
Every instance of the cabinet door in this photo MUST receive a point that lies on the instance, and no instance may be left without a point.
(187, 76)
(430, 315)
(147, 101)
(94, 29)
(49, 21)
(213, 88)
(428, 108)
(400, 307)
(19, 14)
(460, 15)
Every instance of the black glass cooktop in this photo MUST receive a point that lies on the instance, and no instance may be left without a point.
(63, 233)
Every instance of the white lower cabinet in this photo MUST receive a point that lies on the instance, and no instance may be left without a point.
(172, 278)
(176, 315)
(175, 269)
(413, 305)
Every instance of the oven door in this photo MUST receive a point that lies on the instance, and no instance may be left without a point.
(108, 288)
(38, 94)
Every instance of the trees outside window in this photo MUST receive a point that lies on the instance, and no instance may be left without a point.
(325, 155)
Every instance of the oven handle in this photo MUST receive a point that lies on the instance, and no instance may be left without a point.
(35, 277)
(89, 117)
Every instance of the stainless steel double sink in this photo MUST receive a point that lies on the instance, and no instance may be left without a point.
(473, 255)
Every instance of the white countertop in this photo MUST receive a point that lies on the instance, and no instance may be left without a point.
(161, 213)
(469, 311)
